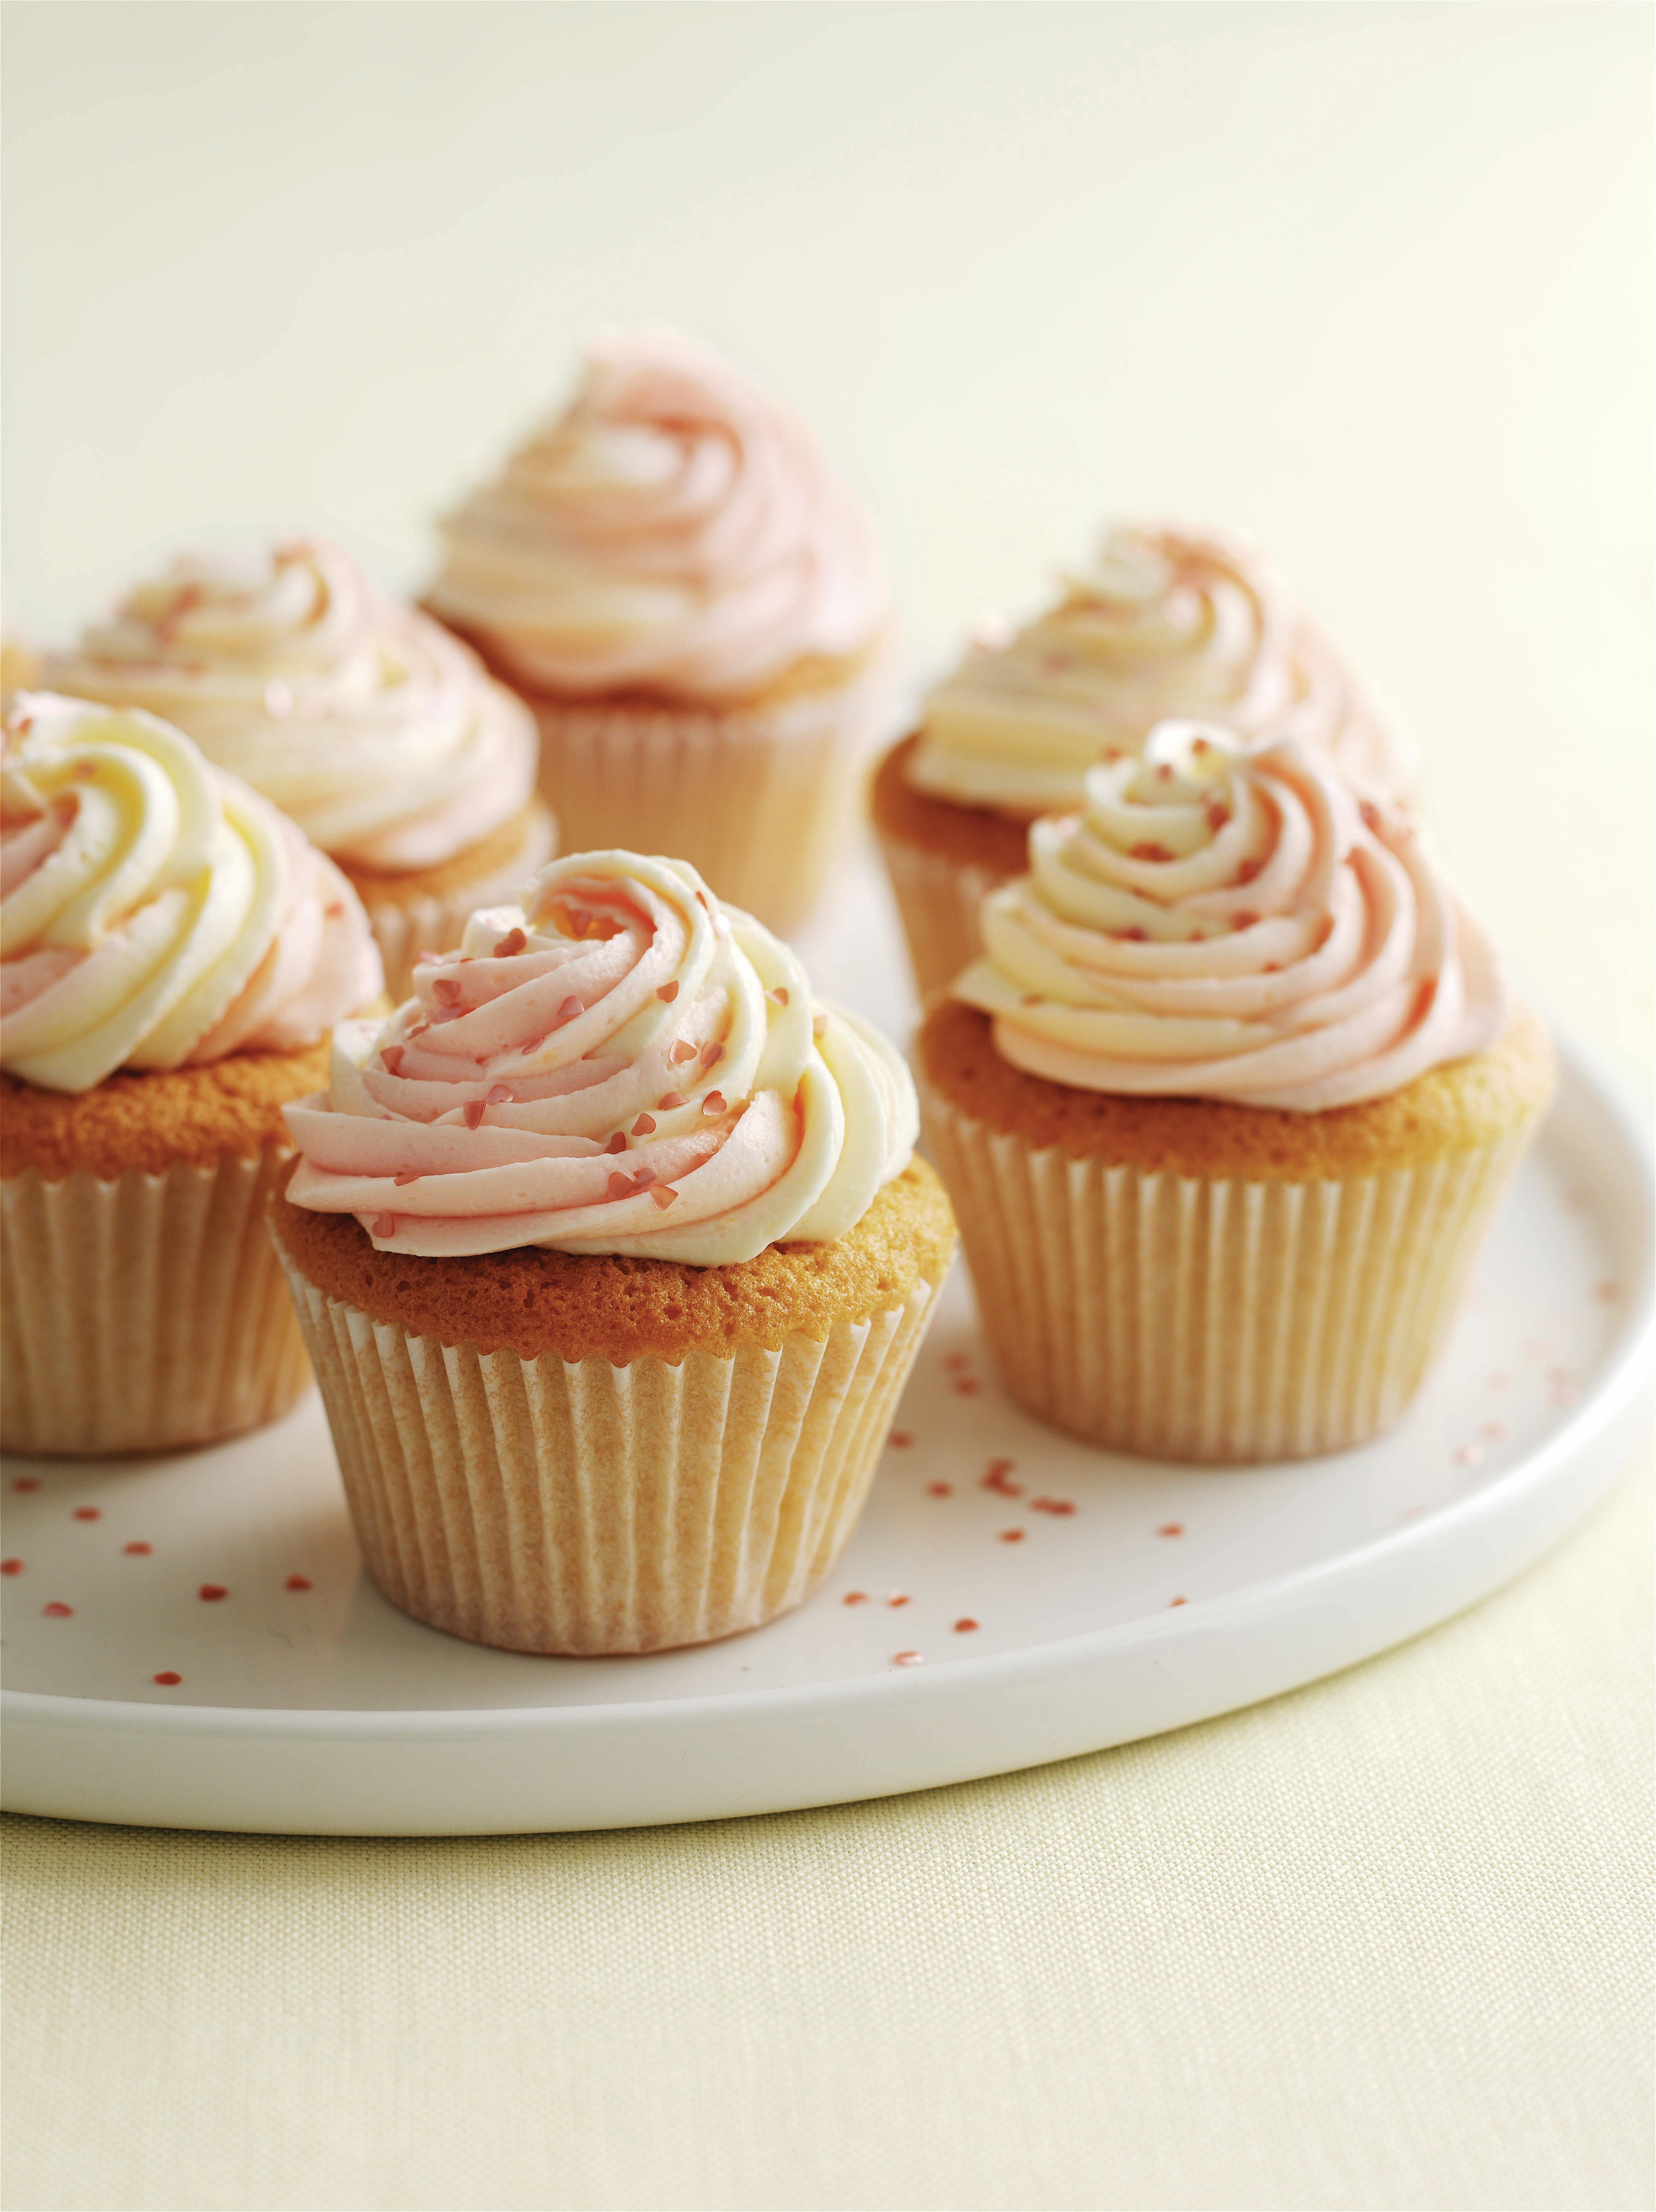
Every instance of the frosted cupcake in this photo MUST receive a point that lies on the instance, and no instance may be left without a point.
(1227, 1106)
(693, 604)
(173, 954)
(612, 1258)
(1167, 622)
(362, 719)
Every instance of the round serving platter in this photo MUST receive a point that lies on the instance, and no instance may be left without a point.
(190, 1641)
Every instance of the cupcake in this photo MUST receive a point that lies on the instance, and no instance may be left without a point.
(692, 604)
(171, 956)
(1226, 1106)
(612, 1259)
(1167, 622)
(378, 732)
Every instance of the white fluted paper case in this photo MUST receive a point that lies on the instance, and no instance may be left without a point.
(1191, 1318)
(757, 798)
(556, 1506)
(436, 921)
(144, 1314)
(937, 899)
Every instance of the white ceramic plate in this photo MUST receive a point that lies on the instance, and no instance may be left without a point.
(191, 1641)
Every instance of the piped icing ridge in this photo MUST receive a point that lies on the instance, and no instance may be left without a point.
(1167, 622)
(675, 530)
(621, 1064)
(1231, 921)
(155, 913)
(368, 723)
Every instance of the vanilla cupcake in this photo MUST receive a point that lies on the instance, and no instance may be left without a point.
(612, 1258)
(362, 719)
(1167, 622)
(692, 603)
(172, 954)
(1227, 1107)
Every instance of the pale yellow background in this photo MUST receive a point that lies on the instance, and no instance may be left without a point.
(1372, 282)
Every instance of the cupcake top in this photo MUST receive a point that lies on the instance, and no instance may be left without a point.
(153, 911)
(1166, 622)
(378, 732)
(674, 530)
(1231, 921)
(621, 1064)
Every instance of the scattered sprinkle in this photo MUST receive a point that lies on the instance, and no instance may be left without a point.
(778, 995)
(669, 1099)
(392, 1059)
(1246, 870)
(1492, 1432)
(139, 1551)
(1469, 1456)
(997, 1478)
(514, 941)
(385, 1225)
(446, 989)
(1011, 1535)
(965, 1385)
(297, 1583)
(1055, 1505)
(1244, 919)
(168, 1679)
(618, 1142)
(88, 1513)
(908, 1659)
(26, 1482)
(407, 1176)
(899, 1597)
(498, 1094)
(1178, 1600)
(819, 1026)
(681, 1050)
(11, 1566)
(211, 1593)
(667, 994)
(940, 1490)
(1607, 1293)
(1217, 819)
(714, 1102)
(642, 1127)
(664, 1197)
(1171, 1529)
(57, 1610)
(570, 1006)
(855, 1597)
(473, 1111)
(901, 1438)
(955, 1361)
(1145, 850)
(620, 1186)
(1371, 816)
(964, 1628)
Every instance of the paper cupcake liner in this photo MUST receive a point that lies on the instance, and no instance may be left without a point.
(1197, 1319)
(436, 921)
(759, 798)
(939, 900)
(144, 1314)
(549, 1505)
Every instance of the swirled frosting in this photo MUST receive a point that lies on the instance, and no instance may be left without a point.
(675, 530)
(1228, 921)
(1165, 623)
(368, 722)
(621, 1064)
(155, 913)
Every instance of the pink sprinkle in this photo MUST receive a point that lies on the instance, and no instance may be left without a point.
(168, 1679)
(819, 1026)
(1493, 1431)
(643, 1179)
(407, 1176)
(901, 1438)
(778, 996)
(445, 990)
(940, 1490)
(714, 1102)
(681, 1050)
(667, 994)
(26, 1482)
(955, 1361)
(669, 1100)
(1469, 1456)
(498, 1094)
(57, 1610)
(211, 1593)
(570, 1006)
(712, 1056)
(138, 1550)
(1011, 1535)
(965, 1385)
(514, 941)
(392, 1059)
(297, 1583)
(11, 1566)
(620, 1186)
(855, 1597)
(1171, 1529)
(618, 1142)
(899, 1597)
(908, 1659)
(1055, 1505)
(644, 1124)
(385, 1226)
(1178, 1600)
(965, 1627)
(473, 1112)
(998, 1479)
(663, 1197)
(88, 1513)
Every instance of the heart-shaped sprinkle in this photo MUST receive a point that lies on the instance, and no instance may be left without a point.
(663, 1197)
(514, 941)
(385, 1225)
(669, 1100)
(644, 1124)
(445, 990)
(167, 1679)
(211, 1593)
(297, 1583)
(57, 1610)
(714, 1102)
(667, 994)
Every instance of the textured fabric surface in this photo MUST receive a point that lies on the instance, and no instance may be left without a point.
(1381, 1943)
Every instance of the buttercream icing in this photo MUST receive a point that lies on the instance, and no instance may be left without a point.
(1167, 622)
(1231, 921)
(620, 1064)
(675, 530)
(368, 723)
(155, 913)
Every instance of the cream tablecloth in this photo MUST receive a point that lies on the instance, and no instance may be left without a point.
(1372, 281)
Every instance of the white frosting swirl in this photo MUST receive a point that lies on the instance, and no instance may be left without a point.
(1167, 622)
(368, 722)
(154, 913)
(676, 530)
(621, 1065)
(1228, 921)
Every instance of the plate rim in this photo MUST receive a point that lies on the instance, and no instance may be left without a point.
(1625, 1376)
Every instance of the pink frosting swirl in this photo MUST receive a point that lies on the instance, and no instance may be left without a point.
(676, 530)
(622, 1065)
(1228, 921)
